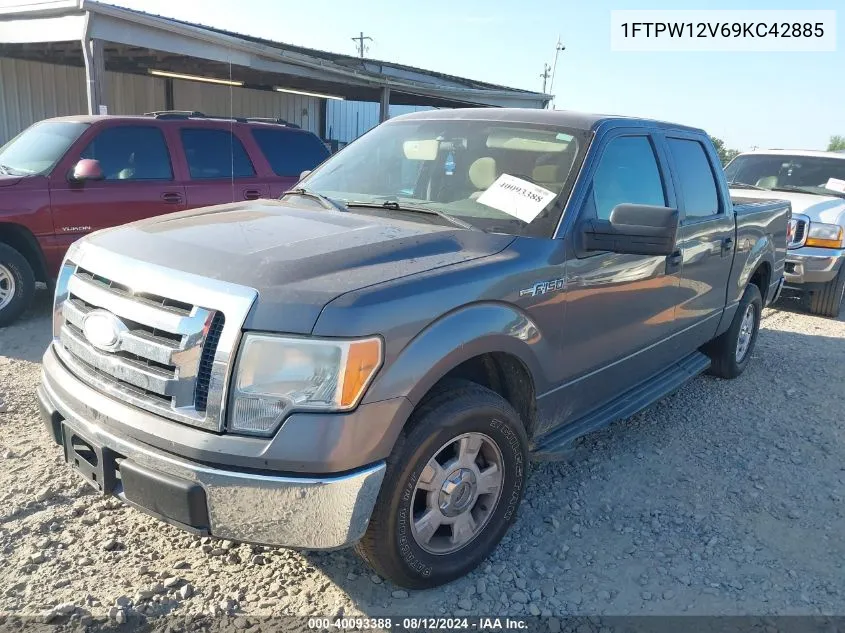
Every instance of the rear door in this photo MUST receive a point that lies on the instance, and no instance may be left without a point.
(289, 152)
(219, 167)
(706, 238)
(138, 180)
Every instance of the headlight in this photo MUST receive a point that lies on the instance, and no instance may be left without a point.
(275, 375)
(824, 235)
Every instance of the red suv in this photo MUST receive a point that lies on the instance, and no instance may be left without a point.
(65, 177)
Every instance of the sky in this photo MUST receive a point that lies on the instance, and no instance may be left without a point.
(787, 100)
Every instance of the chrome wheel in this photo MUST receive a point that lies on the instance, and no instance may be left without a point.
(456, 493)
(7, 286)
(746, 332)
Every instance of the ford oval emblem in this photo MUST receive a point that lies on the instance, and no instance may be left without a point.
(103, 329)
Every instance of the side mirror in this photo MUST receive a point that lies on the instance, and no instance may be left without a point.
(304, 174)
(86, 169)
(634, 229)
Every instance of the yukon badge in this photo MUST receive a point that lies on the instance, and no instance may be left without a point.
(103, 329)
(543, 287)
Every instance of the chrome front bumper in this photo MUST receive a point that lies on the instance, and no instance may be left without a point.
(325, 512)
(812, 265)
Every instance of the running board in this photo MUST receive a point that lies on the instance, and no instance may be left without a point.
(557, 443)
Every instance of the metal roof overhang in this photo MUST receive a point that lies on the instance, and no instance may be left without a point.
(133, 42)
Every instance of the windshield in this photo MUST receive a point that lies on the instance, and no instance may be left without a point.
(494, 175)
(39, 147)
(810, 174)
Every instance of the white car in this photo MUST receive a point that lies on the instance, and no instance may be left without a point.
(814, 182)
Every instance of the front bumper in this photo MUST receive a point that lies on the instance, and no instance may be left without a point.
(810, 265)
(322, 512)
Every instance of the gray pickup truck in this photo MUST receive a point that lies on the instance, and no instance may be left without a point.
(374, 359)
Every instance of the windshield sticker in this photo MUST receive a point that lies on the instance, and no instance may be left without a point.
(517, 197)
(834, 184)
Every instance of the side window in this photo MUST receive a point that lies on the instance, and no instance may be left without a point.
(131, 153)
(215, 154)
(698, 186)
(627, 173)
(290, 153)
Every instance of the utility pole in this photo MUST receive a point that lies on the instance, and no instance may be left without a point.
(558, 48)
(547, 72)
(359, 43)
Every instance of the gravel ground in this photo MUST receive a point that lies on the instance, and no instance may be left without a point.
(725, 498)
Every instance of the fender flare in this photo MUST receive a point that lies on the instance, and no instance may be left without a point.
(458, 336)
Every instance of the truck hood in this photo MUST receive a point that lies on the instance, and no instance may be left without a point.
(297, 258)
(828, 209)
(9, 181)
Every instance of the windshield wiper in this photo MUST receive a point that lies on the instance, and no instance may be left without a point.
(328, 203)
(4, 169)
(393, 205)
(744, 185)
(793, 188)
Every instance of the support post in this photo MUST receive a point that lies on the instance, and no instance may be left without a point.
(95, 74)
(384, 105)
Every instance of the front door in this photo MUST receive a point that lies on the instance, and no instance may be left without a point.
(706, 238)
(137, 183)
(620, 310)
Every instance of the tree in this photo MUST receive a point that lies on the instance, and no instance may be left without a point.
(836, 144)
(726, 155)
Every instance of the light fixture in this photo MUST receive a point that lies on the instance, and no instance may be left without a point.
(208, 80)
(307, 94)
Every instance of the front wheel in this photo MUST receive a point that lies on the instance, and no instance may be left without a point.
(730, 352)
(17, 284)
(826, 299)
(452, 488)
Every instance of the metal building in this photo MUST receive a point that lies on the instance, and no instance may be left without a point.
(60, 57)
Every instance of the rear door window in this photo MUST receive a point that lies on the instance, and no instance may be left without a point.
(290, 153)
(131, 153)
(215, 154)
(627, 173)
(695, 174)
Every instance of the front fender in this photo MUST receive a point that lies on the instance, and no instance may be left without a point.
(470, 331)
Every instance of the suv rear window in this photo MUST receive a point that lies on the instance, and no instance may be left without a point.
(215, 154)
(290, 153)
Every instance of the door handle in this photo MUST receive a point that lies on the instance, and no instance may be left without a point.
(727, 246)
(172, 198)
(674, 261)
(252, 194)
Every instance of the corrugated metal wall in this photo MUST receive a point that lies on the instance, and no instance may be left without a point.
(347, 120)
(223, 100)
(31, 91)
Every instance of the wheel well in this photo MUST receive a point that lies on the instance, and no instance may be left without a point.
(761, 278)
(23, 241)
(506, 375)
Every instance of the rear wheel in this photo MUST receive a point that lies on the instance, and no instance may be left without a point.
(452, 488)
(826, 299)
(17, 284)
(730, 352)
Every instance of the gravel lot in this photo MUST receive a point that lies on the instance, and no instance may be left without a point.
(725, 498)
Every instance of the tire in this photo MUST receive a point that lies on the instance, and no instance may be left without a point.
(826, 299)
(391, 544)
(17, 284)
(724, 350)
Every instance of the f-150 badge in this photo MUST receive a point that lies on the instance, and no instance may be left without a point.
(543, 287)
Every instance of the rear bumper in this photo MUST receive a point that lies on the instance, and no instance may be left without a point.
(809, 265)
(322, 512)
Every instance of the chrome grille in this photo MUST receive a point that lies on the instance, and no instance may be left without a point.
(799, 230)
(169, 357)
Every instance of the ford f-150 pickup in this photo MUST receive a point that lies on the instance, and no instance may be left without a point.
(373, 359)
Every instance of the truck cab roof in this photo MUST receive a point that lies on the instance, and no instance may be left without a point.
(563, 118)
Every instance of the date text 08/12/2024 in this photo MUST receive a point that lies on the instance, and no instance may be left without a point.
(418, 624)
